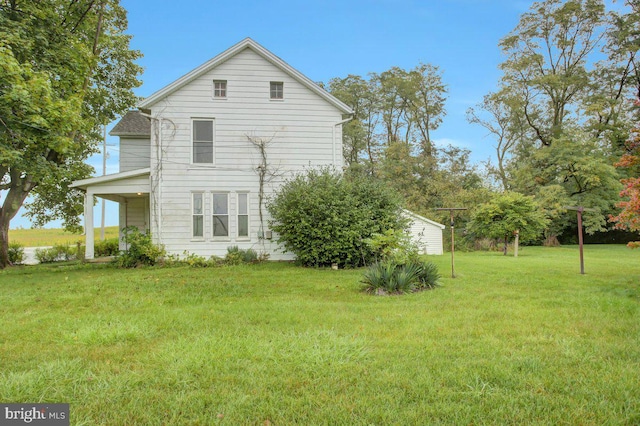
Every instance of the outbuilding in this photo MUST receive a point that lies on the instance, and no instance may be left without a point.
(425, 233)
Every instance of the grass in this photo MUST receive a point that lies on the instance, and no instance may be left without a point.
(509, 341)
(50, 237)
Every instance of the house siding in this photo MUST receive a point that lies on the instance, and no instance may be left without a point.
(134, 154)
(301, 130)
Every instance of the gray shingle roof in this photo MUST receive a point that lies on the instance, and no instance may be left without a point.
(132, 124)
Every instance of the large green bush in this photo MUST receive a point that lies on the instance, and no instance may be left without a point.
(325, 218)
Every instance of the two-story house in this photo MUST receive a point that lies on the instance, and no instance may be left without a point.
(201, 155)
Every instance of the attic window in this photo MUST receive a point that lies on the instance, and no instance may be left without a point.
(219, 88)
(276, 90)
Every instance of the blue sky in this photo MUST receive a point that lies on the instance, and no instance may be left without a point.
(330, 38)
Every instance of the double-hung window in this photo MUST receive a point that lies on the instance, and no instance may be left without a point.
(243, 215)
(220, 214)
(198, 215)
(203, 141)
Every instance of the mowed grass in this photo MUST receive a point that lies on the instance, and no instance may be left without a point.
(509, 341)
(51, 237)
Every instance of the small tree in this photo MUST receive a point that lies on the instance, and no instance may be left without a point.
(325, 218)
(508, 215)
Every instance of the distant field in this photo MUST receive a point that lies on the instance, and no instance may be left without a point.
(50, 237)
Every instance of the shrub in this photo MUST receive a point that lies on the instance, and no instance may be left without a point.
(389, 277)
(236, 256)
(16, 253)
(57, 253)
(325, 218)
(140, 249)
(108, 247)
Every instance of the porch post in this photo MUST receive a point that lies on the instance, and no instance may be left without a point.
(88, 225)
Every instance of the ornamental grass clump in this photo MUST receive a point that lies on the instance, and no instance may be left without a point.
(399, 269)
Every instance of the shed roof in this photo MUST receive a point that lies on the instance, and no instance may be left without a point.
(132, 124)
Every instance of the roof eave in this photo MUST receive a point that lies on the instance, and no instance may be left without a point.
(233, 50)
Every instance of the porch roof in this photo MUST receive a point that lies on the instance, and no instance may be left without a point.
(117, 186)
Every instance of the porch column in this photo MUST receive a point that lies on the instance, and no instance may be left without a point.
(88, 225)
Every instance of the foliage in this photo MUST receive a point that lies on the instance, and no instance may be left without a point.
(140, 249)
(16, 253)
(389, 277)
(393, 244)
(65, 70)
(237, 256)
(325, 218)
(107, 247)
(629, 217)
(58, 253)
(507, 214)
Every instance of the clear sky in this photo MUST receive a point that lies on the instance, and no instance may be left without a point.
(330, 38)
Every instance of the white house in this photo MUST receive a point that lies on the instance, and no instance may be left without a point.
(200, 155)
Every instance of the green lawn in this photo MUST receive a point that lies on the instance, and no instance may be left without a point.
(50, 237)
(509, 341)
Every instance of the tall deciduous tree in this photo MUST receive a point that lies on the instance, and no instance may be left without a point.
(66, 69)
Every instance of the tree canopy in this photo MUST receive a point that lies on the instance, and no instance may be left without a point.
(66, 70)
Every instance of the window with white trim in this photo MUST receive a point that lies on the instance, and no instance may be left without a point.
(197, 213)
(220, 209)
(203, 141)
(219, 88)
(276, 90)
(243, 215)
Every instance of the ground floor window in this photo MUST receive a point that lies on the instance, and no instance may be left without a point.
(197, 215)
(220, 211)
(243, 215)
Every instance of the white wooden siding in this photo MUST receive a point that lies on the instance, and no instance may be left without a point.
(134, 212)
(301, 130)
(425, 234)
(134, 154)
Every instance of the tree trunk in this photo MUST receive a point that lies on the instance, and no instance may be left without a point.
(4, 242)
(506, 244)
(20, 188)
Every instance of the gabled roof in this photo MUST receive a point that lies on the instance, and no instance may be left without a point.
(132, 124)
(247, 43)
(415, 216)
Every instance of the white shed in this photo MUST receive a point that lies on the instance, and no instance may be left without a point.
(425, 233)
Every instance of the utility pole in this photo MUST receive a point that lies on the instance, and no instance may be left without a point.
(453, 242)
(104, 172)
(579, 210)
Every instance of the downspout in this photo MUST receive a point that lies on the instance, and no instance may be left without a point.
(333, 145)
(157, 205)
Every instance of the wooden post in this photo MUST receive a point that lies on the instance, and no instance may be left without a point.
(453, 242)
(515, 244)
(579, 210)
(580, 241)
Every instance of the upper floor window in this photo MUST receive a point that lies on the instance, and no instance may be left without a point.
(219, 88)
(203, 141)
(276, 90)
